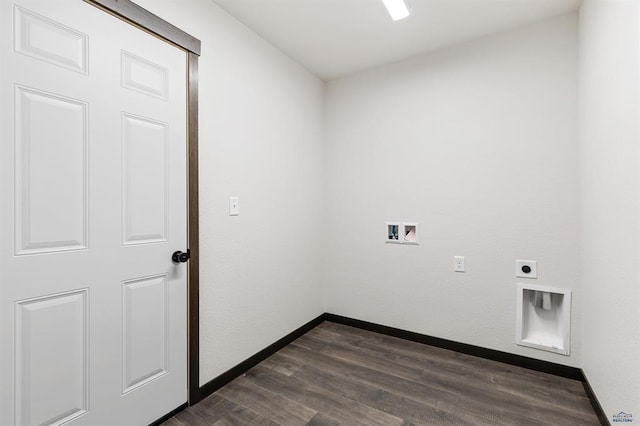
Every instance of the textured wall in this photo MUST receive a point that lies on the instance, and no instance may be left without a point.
(610, 201)
(478, 143)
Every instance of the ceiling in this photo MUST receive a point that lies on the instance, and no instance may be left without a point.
(333, 38)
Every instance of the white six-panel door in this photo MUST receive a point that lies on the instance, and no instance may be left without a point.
(93, 203)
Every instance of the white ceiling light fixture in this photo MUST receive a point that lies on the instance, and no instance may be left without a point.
(398, 9)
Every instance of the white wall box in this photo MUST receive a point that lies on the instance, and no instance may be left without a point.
(394, 232)
(543, 318)
(402, 233)
(410, 233)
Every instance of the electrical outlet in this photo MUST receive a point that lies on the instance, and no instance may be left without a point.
(526, 269)
(458, 263)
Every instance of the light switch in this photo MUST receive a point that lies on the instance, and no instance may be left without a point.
(458, 263)
(234, 206)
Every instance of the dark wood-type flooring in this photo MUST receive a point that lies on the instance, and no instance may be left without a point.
(339, 375)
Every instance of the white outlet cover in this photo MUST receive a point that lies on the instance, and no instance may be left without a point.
(531, 264)
(458, 263)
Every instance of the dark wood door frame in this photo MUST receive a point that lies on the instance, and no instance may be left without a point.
(147, 21)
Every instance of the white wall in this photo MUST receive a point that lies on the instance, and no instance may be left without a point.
(610, 201)
(477, 143)
(260, 139)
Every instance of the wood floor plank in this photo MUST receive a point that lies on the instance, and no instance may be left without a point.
(189, 418)
(215, 409)
(340, 375)
(321, 419)
(262, 401)
(286, 367)
(173, 421)
(347, 411)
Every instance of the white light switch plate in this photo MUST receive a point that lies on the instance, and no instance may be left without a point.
(234, 206)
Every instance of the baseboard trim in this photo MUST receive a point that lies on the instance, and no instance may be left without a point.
(169, 415)
(597, 407)
(492, 354)
(218, 382)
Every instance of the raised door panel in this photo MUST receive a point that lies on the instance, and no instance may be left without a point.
(145, 180)
(50, 41)
(51, 359)
(51, 172)
(145, 339)
(144, 76)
